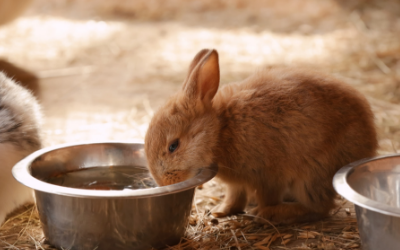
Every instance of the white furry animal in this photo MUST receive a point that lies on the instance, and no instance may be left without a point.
(20, 120)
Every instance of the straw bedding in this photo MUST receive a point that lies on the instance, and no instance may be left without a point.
(104, 66)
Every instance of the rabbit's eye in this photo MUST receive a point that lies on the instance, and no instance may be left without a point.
(174, 145)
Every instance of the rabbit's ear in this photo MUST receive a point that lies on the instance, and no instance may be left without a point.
(203, 80)
(197, 59)
(194, 63)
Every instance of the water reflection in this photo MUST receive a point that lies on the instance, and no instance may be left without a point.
(378, 181)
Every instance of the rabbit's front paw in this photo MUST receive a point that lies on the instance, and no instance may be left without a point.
(225, 209)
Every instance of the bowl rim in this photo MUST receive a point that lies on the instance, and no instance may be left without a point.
(21, 172)
(343, 188)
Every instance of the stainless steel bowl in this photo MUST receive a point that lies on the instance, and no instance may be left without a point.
(373, 185)
(96, 219)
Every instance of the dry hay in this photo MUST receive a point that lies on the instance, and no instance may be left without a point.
(240, 232)
(22, 230)
(143, 48)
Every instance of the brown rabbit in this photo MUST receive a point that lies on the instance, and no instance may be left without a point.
(279, 134)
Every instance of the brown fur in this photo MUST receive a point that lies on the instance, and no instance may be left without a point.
(281, 133)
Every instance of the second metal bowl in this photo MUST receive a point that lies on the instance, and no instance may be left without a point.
(373, 185)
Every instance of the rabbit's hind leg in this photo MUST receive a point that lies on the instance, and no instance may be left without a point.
(288, 213)
(309, 204)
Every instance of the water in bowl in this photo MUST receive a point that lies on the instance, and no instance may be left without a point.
(105, 178)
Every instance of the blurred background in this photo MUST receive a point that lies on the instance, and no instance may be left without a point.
(100, 68)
